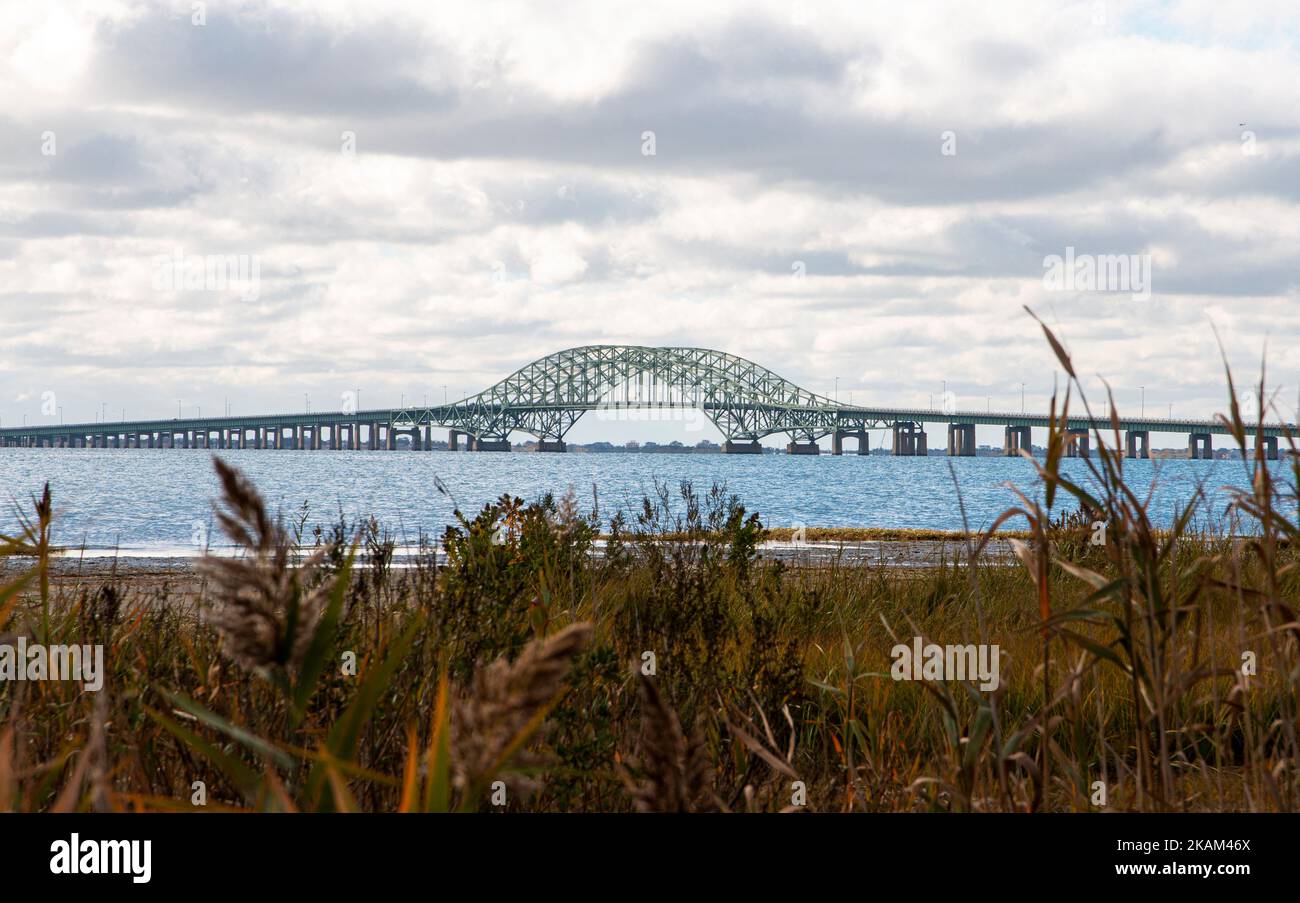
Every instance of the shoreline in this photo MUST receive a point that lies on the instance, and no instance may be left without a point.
(819, 546)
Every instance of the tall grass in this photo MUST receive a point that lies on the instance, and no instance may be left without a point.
(678, 669)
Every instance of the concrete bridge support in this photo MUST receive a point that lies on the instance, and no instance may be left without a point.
(802, 448)
(1076, 444)
(1137, 444)
(838, 437)
(1200, 445)
(490, 445)
(961, 440)
(909, 439)
(741, 447)
(453, 440)
(1018, 439)
(1266, 447)
(551, 445)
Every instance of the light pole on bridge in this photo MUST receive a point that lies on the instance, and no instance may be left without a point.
(1022, 398)
(1144, 400)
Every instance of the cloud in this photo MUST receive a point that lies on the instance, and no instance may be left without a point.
(439, 196)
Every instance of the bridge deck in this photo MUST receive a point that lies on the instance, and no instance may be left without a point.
(848, 416)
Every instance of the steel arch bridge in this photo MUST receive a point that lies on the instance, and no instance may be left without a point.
(547, 397)
(744, 400)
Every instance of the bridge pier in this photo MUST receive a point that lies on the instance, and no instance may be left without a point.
(1266, 447)
(1200, 445)
(551, 445)
(453, 440)
(909, 439)
(742, 448)
(1076, 444)
(1018, 439)
(1137, 444)
(838, 437)
(489, 445)
(961, 440)
(802, 448)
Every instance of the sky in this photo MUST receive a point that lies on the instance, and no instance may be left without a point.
(424, 197)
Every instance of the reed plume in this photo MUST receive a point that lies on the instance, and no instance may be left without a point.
(265, 609)
(676, 771)
(504, 704)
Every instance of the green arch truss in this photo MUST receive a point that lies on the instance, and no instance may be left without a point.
(744, 400)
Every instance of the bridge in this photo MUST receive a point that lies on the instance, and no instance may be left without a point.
(746, 402)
